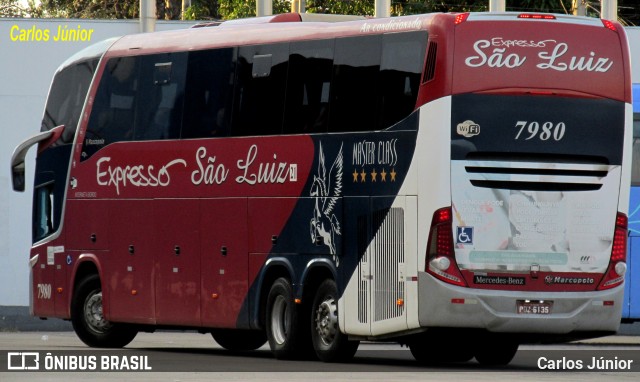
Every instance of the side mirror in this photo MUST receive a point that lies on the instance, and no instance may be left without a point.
(45, 139)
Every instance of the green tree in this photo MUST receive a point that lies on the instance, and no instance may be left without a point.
(234, 9)
(629, 10)
(11, 8)
(90, 9)
(410, 7)
(553, 6)
(341, 7)
(202, 10)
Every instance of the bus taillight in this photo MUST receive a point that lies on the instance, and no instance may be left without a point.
(618, 263)
(536, 16)
(441, 261)
(609, 25)
(461, 17)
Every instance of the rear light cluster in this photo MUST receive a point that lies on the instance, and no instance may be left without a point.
(609, 25)
(461, 17)
(536, 16)
(618, 263)
(441, 261)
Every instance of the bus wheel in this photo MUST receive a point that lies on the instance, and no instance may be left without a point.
(239, 340)
(436, 348)
(283, 322)
(329, 343)
(89, 322)
(500, 353)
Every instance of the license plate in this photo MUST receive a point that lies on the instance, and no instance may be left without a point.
(533, 307)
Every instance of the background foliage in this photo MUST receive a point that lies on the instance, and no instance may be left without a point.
(628, 10)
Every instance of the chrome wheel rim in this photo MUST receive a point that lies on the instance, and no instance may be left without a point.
(279, 320)
(93, 314)
(326, 320)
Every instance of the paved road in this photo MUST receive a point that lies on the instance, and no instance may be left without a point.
(196, 357)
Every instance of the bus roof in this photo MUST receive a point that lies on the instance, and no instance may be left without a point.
(92, 51)
(250, 33)
(597, 48)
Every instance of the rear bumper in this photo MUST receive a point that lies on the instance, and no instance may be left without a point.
(495, 311)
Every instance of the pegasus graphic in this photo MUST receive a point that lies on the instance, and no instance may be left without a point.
(326, 189)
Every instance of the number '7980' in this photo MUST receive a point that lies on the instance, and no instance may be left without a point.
(545, 131)
(44, 291)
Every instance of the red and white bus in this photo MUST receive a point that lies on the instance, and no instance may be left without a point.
(454, 182)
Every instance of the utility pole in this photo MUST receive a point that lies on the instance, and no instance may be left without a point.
(264, 8)
(579, 7)
(609, 10)
(147, 16)
(185, 5)
(382, 8)
(298, 6)
(497, 5)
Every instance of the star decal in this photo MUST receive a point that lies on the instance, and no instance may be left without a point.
(375, 176)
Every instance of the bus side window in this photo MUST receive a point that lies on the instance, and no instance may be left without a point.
(355, 86)
(209, 93)
(260, 89)
(112, 116)
(161, 96)
(308, 87)
(402, 59)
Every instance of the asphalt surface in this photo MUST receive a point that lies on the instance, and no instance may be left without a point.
(188, 356)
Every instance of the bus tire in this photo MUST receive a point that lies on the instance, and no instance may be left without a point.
(284, 324)
(437, 348)
(329, 343)
(500, 353)
(239, 340)
(88, 321)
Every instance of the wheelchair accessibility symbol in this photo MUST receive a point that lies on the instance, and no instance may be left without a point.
(464, 235)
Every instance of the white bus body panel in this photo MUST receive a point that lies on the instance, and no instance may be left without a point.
(495, 310)
(363, 315)
(625, 181)
(428, 301)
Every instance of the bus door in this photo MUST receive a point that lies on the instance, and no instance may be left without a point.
(49, 189)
